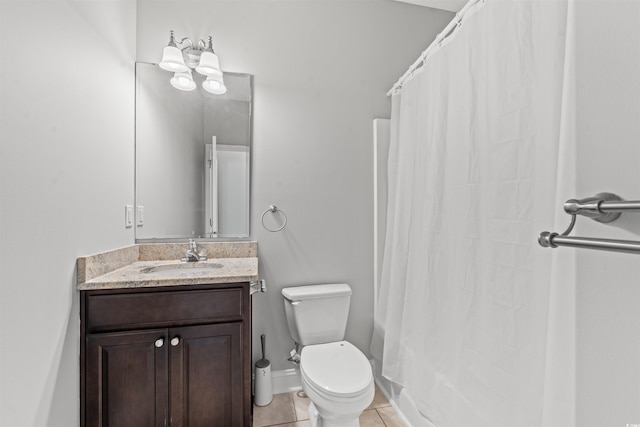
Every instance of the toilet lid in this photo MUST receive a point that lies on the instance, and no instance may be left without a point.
(336, 368)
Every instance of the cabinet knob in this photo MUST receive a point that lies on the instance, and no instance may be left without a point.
(175, 341)
(159, 342)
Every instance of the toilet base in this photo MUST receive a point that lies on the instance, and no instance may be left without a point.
(313, 415)
(315, 420)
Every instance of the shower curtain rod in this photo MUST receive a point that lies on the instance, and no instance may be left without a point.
(603, 207)
(448, 31)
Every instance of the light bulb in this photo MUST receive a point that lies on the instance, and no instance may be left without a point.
(215, 85)
(183, 81)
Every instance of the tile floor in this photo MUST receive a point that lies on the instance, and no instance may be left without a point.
(290, 410)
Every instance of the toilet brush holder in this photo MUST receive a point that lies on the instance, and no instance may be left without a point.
(263, 388)
(264, 391)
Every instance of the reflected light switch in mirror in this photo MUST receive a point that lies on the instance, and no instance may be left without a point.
(140, 216)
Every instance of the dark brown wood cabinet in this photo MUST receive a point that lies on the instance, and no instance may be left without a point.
(167, 356)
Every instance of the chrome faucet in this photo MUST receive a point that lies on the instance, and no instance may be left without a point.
(192, 253)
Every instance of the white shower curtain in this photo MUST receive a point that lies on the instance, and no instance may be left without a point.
(477, 318)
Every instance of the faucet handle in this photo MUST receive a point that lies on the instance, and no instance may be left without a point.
(192, 244)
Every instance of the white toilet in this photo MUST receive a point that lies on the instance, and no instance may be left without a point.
(336, 376)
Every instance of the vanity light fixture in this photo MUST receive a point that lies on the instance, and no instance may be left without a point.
(199, 57)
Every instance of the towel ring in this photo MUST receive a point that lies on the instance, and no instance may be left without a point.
(274, 209)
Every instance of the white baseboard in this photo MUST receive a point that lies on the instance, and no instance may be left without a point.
(286, 381)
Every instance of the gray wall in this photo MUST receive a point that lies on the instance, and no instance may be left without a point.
(66, 169)
(66, 173)
(67, 146)
(321, 69)
(608, 287)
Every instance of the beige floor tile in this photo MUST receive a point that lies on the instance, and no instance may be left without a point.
(301, 405)
(379, 400)
(290, 410)
(390, 418)
(279, 411)
(370, 418)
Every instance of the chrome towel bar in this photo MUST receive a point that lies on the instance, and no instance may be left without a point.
(553, 240)
(603, 207)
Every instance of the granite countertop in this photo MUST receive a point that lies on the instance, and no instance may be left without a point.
(131, 267)
(171, 273)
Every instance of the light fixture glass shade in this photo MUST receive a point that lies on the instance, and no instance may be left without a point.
(215, 85)
(183, 81)
(172, 60)
(209, 64)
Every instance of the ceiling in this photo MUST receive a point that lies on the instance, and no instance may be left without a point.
(451, 5)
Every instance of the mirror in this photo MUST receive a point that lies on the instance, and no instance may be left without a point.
(193, 158)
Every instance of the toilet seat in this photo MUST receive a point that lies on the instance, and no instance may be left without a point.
(336, 369)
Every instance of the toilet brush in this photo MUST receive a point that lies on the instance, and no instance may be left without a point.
(264, 392)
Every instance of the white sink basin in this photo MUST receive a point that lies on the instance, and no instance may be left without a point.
(181, 269)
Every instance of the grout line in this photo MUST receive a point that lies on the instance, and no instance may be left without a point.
(380, 415)
(293, 406)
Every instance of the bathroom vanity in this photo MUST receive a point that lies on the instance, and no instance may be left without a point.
(165, 343)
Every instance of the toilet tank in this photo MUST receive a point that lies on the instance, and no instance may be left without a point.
(317, 314)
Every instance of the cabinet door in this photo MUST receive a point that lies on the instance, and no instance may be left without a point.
(126, 379)
(206, 376)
